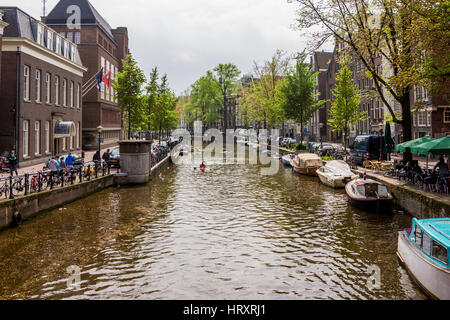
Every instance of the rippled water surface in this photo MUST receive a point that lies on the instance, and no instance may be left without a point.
(228, 234)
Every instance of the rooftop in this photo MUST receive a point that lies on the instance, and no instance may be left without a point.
(89, 16)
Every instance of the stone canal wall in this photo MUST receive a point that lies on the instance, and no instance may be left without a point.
(32, 205)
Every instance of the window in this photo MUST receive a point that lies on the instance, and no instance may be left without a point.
(57, 90)
(418, 93)
(40, 35)
(422, 119)
(26, 126)
(429, 119)
(64, 144)
(48, 84)
(26, 84)
(70, 36)
(425, 94)
(447, 116)
(66, 49)
(64, 87)
(77, 37)
(37, 137)
(38, 85)
(72, 139)
(426, 244)
(418, 237)
(63, 34)
(47, 136)
(440, 252)
(78, 96)
(78, 135)
(58, 45)
(49, 40)
(71, 94)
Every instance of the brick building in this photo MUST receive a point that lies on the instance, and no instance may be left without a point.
(40, 90)
(100, 46)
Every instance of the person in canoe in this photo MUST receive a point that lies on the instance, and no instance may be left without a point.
(203, 167)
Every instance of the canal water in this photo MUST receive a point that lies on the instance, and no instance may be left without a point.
(229, 233)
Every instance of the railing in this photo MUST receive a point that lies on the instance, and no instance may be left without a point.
(31, 183)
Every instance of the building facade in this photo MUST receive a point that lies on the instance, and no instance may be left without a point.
(101, 47)
(40, 90)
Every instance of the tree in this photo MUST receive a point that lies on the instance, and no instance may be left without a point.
(163, 115)
(206, 98)
(373, 30)
(344, 112)
(296, 94)
(152, 90)
(127, 90)
(226, 77)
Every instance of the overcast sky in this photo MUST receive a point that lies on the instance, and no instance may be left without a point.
(185, 38)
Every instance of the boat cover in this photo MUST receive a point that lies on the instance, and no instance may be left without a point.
(338, 168)
(309, 160)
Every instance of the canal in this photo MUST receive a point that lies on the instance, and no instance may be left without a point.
(229, 233)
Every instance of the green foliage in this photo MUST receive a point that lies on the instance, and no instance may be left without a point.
(206, 99)
(127, 90)
(296, 93)
(344, 109)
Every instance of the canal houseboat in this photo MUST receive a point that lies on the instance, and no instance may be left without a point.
(336, 174)
(306, 164)
(369, 195)
(423, 250)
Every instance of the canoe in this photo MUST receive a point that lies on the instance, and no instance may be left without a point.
(336, 174)
(369, 195)
(424, 251)
(306, 164)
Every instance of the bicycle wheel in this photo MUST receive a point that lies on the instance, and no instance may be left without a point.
(17, 188)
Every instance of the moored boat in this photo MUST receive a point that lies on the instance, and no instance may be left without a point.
(336, 174)
(286, 159)
(306, 164)
(424, 251)
(369, 195)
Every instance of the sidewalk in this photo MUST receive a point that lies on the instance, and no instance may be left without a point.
(88, 155)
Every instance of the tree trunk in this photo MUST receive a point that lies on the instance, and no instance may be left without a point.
(129, 125)
(407, 123)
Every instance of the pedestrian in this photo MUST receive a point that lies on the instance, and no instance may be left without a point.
(70, 160)
(106, 156)
(62, 163)
(53, 164)
(443, 168)
(96, 157)
(13, 162)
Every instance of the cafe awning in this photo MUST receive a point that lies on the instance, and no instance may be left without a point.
(64, 129)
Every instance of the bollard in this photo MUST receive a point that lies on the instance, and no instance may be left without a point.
(51, 180)
(39, 182)
(81, 174)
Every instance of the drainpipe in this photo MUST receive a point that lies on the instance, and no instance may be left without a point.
(18, 73)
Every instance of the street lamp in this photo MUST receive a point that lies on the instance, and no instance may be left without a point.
(99, 129)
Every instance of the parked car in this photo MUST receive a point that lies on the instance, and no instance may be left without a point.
(325, 150)
(367, 148)
(114, 158)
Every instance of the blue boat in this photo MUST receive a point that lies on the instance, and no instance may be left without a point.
(286, 160)
(424, 251)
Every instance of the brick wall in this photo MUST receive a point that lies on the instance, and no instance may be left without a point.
(32, 110)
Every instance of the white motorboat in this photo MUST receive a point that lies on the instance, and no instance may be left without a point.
(336, 174)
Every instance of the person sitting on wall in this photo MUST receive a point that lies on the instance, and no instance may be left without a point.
(70, 160)
(53, 165)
